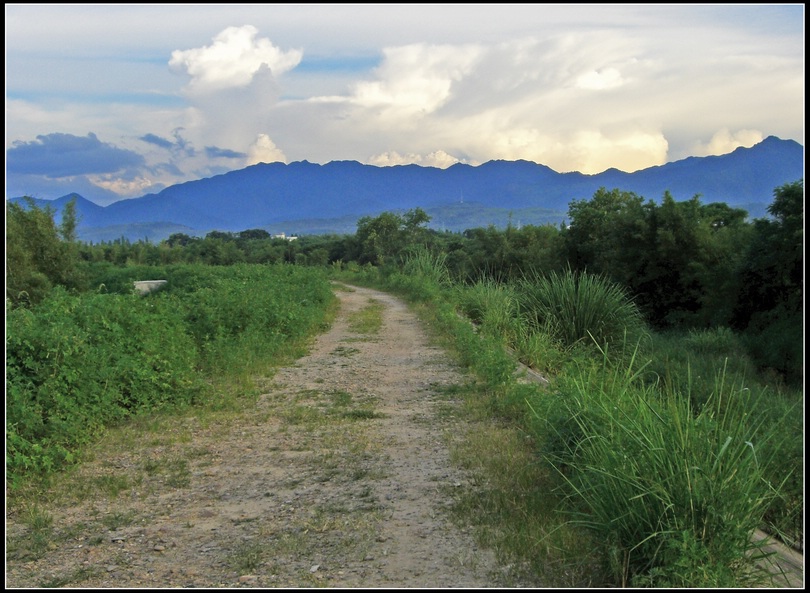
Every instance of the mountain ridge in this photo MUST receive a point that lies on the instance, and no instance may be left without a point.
(274, 195)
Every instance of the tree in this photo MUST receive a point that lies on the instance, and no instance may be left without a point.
(774, 269)
(382, 239)
(67, 228)
(607, 233)
(180, 239)
(36, 256)
(770, 307)
(679, 260)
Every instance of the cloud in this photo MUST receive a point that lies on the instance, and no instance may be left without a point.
(607, 78)
(223, 153)
(157, 141)
(609, 87)
(556, 100)
(263, 150)
(125, 187)
(438, 159)
(416, 79)
(40, 186)
(724, 142)
(232, 60)
(63, 155)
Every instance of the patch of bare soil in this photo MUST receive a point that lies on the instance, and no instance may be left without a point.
(340, 476)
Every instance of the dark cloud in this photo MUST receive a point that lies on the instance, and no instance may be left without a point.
(64, 155)
(214, 152)
(157, 141)
(178, 146)
(181, 143)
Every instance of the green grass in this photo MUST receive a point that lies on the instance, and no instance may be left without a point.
(368, 320)
(673, 495)
(580, 308)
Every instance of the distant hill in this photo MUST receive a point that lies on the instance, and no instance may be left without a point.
(307, 198)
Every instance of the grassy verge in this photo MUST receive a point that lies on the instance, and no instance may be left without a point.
(659, 474)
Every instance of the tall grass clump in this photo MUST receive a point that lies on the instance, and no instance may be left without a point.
(688, 362)
(423, 274)
(423, 263)
(674, 494)
(493, 307)
(577, 307)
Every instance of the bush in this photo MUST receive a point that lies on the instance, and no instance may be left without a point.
(76, 364)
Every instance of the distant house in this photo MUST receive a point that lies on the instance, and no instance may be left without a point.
(284, 236)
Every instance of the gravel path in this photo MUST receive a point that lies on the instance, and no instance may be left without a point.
(340, 476)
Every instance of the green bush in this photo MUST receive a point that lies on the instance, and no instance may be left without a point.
(78, 363)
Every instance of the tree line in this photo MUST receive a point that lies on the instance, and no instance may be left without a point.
(686, 264)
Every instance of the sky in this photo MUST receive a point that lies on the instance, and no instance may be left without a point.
(118, 101)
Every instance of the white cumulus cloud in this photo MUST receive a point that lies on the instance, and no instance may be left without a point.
(416, 79)
(232, 59)
(607, 78)
(723, 142)
(123, 187)
(439, 159)
(264, 150)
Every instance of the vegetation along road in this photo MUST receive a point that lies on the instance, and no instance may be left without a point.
(340, 476)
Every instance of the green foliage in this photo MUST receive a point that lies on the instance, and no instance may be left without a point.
(687, 363)
(76, 364)
(577, 308)
(607, 232)
(423, 263)
(679, 259)
(673, 494)
(770, 309)
(37, 257)
(506, 255)
(493, 307)
(382, 239)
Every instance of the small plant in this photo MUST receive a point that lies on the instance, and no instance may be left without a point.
(117, 519)
(361, 414)
(112, 485)
(246, 558)
(77, 576)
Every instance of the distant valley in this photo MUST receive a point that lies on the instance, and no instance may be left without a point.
(305, 198)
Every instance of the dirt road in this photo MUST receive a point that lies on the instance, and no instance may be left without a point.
(340, 476)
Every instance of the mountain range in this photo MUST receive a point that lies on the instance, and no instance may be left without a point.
(306, 198)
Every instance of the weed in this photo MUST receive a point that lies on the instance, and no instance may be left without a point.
(344, 351)
(111, 485)
(247, 557)
(361, 414)
(77, 576)
(117, 519)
